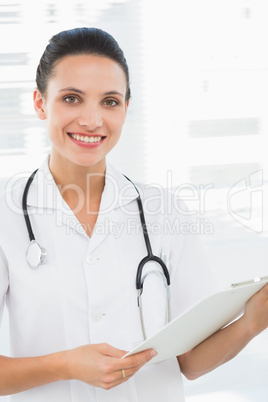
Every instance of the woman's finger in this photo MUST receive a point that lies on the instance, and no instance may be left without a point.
(125, 368)
(138, 359)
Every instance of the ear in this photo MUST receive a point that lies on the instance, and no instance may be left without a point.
(39, 104)
(126, 108)
(127, 105)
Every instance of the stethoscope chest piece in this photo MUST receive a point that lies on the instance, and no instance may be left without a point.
(35, 255)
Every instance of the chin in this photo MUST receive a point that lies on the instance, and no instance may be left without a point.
(88, 162)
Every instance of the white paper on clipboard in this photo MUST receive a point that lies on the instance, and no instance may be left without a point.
(200, 321)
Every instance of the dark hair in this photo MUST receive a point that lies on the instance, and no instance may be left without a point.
(76, 42)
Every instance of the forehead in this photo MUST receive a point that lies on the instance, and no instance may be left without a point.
(88, 71)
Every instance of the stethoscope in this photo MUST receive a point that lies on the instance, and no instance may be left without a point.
(37, 255)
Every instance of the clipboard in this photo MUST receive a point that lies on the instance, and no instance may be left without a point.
(200, 321)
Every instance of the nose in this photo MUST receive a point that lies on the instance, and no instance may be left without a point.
(91, 118)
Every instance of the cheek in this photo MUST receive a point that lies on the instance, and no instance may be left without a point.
(58, 120)
(117, 121)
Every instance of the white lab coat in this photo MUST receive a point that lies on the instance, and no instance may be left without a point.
(85, 292)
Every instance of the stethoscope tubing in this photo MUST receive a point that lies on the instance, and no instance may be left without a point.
(24, 206)
(150, 256)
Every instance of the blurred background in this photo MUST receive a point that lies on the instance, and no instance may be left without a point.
(197, 123)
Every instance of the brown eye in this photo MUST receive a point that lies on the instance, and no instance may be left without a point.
(71, 99)
(111, 102)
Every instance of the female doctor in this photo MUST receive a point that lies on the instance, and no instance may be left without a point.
(73, 317)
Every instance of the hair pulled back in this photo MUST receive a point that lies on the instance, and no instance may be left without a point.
(78, 41)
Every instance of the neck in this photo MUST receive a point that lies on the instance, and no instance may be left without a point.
(76, 182)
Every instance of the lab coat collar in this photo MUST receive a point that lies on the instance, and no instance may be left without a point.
(44, 193)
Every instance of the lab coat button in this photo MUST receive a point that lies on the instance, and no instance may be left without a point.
(96, 315)
(91, 260)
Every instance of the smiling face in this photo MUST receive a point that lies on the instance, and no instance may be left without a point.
(85, 109)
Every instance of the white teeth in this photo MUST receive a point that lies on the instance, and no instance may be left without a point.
(84, 138)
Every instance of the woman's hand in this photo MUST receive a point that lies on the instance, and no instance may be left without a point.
(255, 317)
(228, 342)
(101, 365)
(98, 365)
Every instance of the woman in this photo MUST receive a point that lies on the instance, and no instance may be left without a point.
(75, 316)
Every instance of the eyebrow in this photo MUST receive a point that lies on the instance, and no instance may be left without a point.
(83, 93)
(72, 90)
(114, 93)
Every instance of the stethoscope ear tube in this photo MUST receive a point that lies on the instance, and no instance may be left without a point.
(148, 258)
(139, 286)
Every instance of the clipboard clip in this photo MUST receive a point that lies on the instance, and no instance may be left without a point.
(257, 279)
